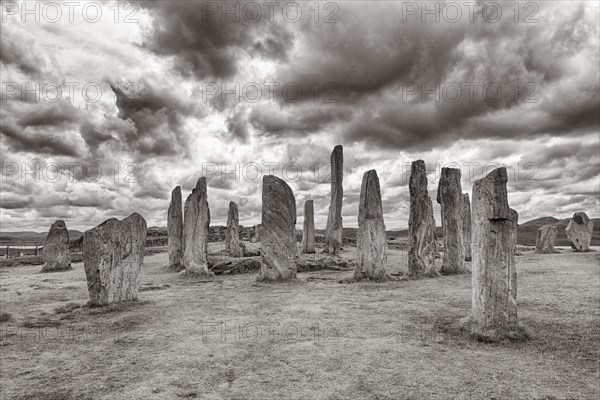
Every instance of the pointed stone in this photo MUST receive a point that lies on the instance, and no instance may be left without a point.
(56, 248)
(450, 198)
(186, 206)
(579, 231)
(371, 242)
(278, 231)
(197, 221)
(421, 225)
(175, 229)
(466, 212)
(494, 274)
(334, 229)
(232, 234)
(308, 231)
(113, 253)
(544, 241)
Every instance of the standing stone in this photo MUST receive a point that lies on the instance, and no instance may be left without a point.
(466, 213)
(450, 198)
(421, 225)
(232, 234)
(371, 242)
(197, 221)
(333, 229)
(56, 248)
(175, 229)
(278, 231)
(113, 253)
(579, 231)
(308, 229)
(494, 274)
(544, 241)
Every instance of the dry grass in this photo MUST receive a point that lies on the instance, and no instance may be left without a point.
(198, 339)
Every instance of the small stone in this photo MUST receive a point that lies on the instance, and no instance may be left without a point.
(334, 229)
(56, 248)
(175, 229)
(579, 232)
(308, 231)
(232, 234)
(544, 241)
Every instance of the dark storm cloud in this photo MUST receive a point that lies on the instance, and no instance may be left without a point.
(18, 139)
(55, 114)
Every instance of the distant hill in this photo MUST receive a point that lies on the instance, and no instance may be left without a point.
(527, 231)
(34, 237)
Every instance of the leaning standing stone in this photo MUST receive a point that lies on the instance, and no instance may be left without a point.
(449, 196)
(175, 229)
(421, 225)
(113, 253)
(371, 243)
(334, 229)
(579, 232)
(56, 248)
(308, 231)
(278, 231)
(232, 234)
(544, 241)
(494, 274)
(197, 221)
(466, 212)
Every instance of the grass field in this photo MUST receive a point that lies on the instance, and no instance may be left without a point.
(231, 338)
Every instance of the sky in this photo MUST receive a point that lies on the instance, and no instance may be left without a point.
(107, 106)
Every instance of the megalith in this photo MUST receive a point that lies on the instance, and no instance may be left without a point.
(278, 231)
(308, 228)
(197, 221)
(113, 253)
(466, 213)
(56, 248)
(544, 240)
(232, 234)
(175, 229)
(333, 228)
(579, 231)
(450, 198)
(421, 225)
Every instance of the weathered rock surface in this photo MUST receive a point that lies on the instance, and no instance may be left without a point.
(232, 234)
(278, 231)
(113, 253)
(466, 212)
(494, 274)
(579, 232)
(334, 229)
(56, 253)
(308, 228)
(256, 236)
(235, 265)
(197, 220)
(544, 241)
(371, 242)
(175, 229)
(421, 225)
(450, 198)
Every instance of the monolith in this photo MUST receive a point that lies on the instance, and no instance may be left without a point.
(579, 231)
(308, 228)
(334, 229)
(113, 253)
(278, 231)
(421, 225)
(466, 213)
(175, 229)
(371, 243)
(56, 248)
(544, 241)
(232, 234)
(449, 197)
(494, 274)
(197, 221)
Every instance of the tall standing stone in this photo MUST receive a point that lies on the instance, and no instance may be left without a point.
(175, 229)
(371, 242)
(494, 274)
(113, 253)
(56, 248)
(450, 198)
(579, 231)
(197, 221)
(466, 213)
(421, 225)
(334, 229)
(278, 231)
(308, 231)
(232, 234)
(544, 241)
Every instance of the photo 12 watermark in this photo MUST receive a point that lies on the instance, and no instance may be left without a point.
(69, 171)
